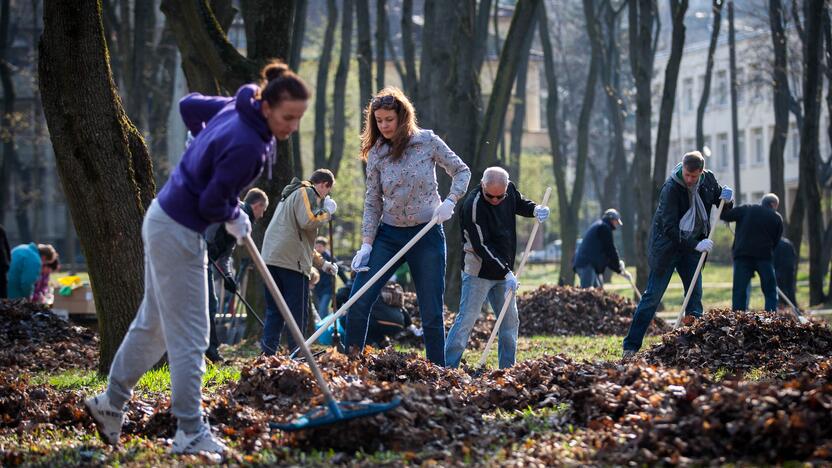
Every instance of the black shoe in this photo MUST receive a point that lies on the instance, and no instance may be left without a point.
(214, 356)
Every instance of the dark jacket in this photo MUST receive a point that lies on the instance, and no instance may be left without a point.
(489, 232)
(597, 249)
(324, 284)
(5, 261)
(665, 236)
(785, 259)
(220, 243)
(758, 231)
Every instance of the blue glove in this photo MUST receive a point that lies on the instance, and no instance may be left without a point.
(511, 281)
(727, 194)
(541, 213)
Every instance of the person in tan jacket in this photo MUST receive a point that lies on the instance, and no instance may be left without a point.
(289, 250)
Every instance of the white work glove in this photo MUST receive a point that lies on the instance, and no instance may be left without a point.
(362, 258)
(444, 211)
(330, 267)
(239, 227)
(621, 267)
(330, 205)
(705, 245)
(511, 281)
(727, 194)
(541, 213)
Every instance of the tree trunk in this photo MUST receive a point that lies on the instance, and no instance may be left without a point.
(449, 88)
(339, 91)
(298, 32)
(510, 58)
(780, 82)
(381, 41)
(569, 223)
(144, 23)
(365, 58)
(716, 9)
(195, 67)
(734, 118)
(641, 17)
(481, 33)
(809, 148)
(321, 84)
(671, 75)
(160, 104)
(101, 160)
(411, 85)
(518, 120)
(7, 127)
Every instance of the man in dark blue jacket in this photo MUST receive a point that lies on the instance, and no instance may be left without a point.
(324, 288)
(679, 235)
(785, 268)
(759, 228)
(597, 251)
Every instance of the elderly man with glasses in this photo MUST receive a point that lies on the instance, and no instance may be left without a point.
(489, 244)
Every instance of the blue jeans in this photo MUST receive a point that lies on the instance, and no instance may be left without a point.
(426, 260)
(324, 298)
(685, 265)
(294, 287)
(744, 269)
(589, 277)
(475, 291)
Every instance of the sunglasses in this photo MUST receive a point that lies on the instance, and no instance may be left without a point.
(387, 102)
(495, 197)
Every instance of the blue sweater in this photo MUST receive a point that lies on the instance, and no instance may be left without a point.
(24, 271)
(231, 140)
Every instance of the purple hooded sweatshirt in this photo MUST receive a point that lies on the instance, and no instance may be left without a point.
(231, 141)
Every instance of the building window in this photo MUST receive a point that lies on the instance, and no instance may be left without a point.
(757, 141)
(724, 156)
(722, 88)
(687, 92)
(741, 147)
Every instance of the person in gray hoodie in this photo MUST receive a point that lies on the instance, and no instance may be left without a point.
(679, 235)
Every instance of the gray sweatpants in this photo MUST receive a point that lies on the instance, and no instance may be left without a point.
(173, 317)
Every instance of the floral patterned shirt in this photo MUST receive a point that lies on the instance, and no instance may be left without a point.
(405, 192)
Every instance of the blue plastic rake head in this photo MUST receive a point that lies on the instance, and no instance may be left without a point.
(335, 412)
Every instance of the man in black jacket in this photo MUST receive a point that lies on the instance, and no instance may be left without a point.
(489, 231)
(597, 251)
(759, 228)
(679, 235)
(220, 248)
(785, 268)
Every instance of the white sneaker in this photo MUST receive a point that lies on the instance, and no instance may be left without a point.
(108, 419)
(201, 442)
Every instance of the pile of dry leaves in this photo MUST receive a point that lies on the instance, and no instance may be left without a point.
(566, 310)
(741, 341)
(477, 339)
(33, 338)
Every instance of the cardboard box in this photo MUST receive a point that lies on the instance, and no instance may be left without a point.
(79, 303)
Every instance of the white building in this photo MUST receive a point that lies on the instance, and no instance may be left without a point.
(755, 113)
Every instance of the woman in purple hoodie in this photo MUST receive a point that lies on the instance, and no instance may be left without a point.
(232, 138)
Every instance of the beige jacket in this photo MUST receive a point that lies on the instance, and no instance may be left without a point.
(290, 238)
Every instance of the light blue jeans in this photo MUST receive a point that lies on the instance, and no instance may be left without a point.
(475, 291)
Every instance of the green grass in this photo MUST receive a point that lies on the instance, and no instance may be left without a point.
(578, 348)
(154, 381)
